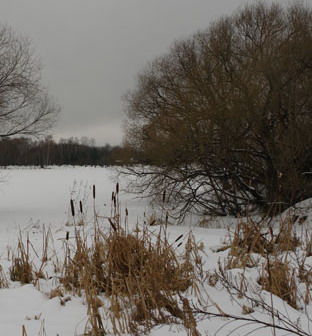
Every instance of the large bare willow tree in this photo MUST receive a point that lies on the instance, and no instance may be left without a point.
(224, 119)
(25, 107)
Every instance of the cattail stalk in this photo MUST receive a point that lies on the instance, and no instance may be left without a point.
(72, 207)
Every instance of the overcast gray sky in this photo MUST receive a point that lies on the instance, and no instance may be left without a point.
(92, 50)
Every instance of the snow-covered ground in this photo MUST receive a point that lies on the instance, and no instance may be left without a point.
(31, 198)
(33, 195)
(33, 201)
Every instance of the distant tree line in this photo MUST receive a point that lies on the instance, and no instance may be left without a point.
(24, 151)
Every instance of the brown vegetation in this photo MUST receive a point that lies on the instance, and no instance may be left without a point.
(140, 273)
(224, 118)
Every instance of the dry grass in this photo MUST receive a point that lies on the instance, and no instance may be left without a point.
(277, 275)
(286, 239)
(134, 280)
(55, 292)
(252, 237)
(279, 279)
(131, 280)
(3, 279)
(139, 272)
(27, 265)
(22, 268)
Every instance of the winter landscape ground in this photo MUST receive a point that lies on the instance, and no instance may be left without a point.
(232, 263)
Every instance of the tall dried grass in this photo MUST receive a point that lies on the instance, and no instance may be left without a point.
(140, 273)
(22, 267)
(277, 247)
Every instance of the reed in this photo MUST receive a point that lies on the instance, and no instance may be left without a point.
(138, 271)
(22, 268)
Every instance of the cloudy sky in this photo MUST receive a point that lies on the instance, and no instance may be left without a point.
(92, 50)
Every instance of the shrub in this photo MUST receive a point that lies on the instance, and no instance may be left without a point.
(224, 118)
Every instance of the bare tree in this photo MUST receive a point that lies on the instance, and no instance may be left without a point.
(25, 107)
(224, 119)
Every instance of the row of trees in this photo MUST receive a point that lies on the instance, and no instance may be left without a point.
(225, 117)
(27, 151)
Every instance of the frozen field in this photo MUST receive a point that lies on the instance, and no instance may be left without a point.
(42, 196)
(35, 200)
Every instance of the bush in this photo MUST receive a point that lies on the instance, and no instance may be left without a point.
(224, 118)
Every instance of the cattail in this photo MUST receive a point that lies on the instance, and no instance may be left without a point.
(117, 188)
(153, 222)
(93, 191)
(127, 212)
(80, 206)
(67, 235)
(164, 196)
(113, 195)
(179, 244)
(72, 208)
(112, 224)
(178, 238)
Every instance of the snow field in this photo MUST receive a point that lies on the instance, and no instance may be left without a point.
(36, 201)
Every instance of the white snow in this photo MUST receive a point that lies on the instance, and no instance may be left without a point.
(35, 200)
